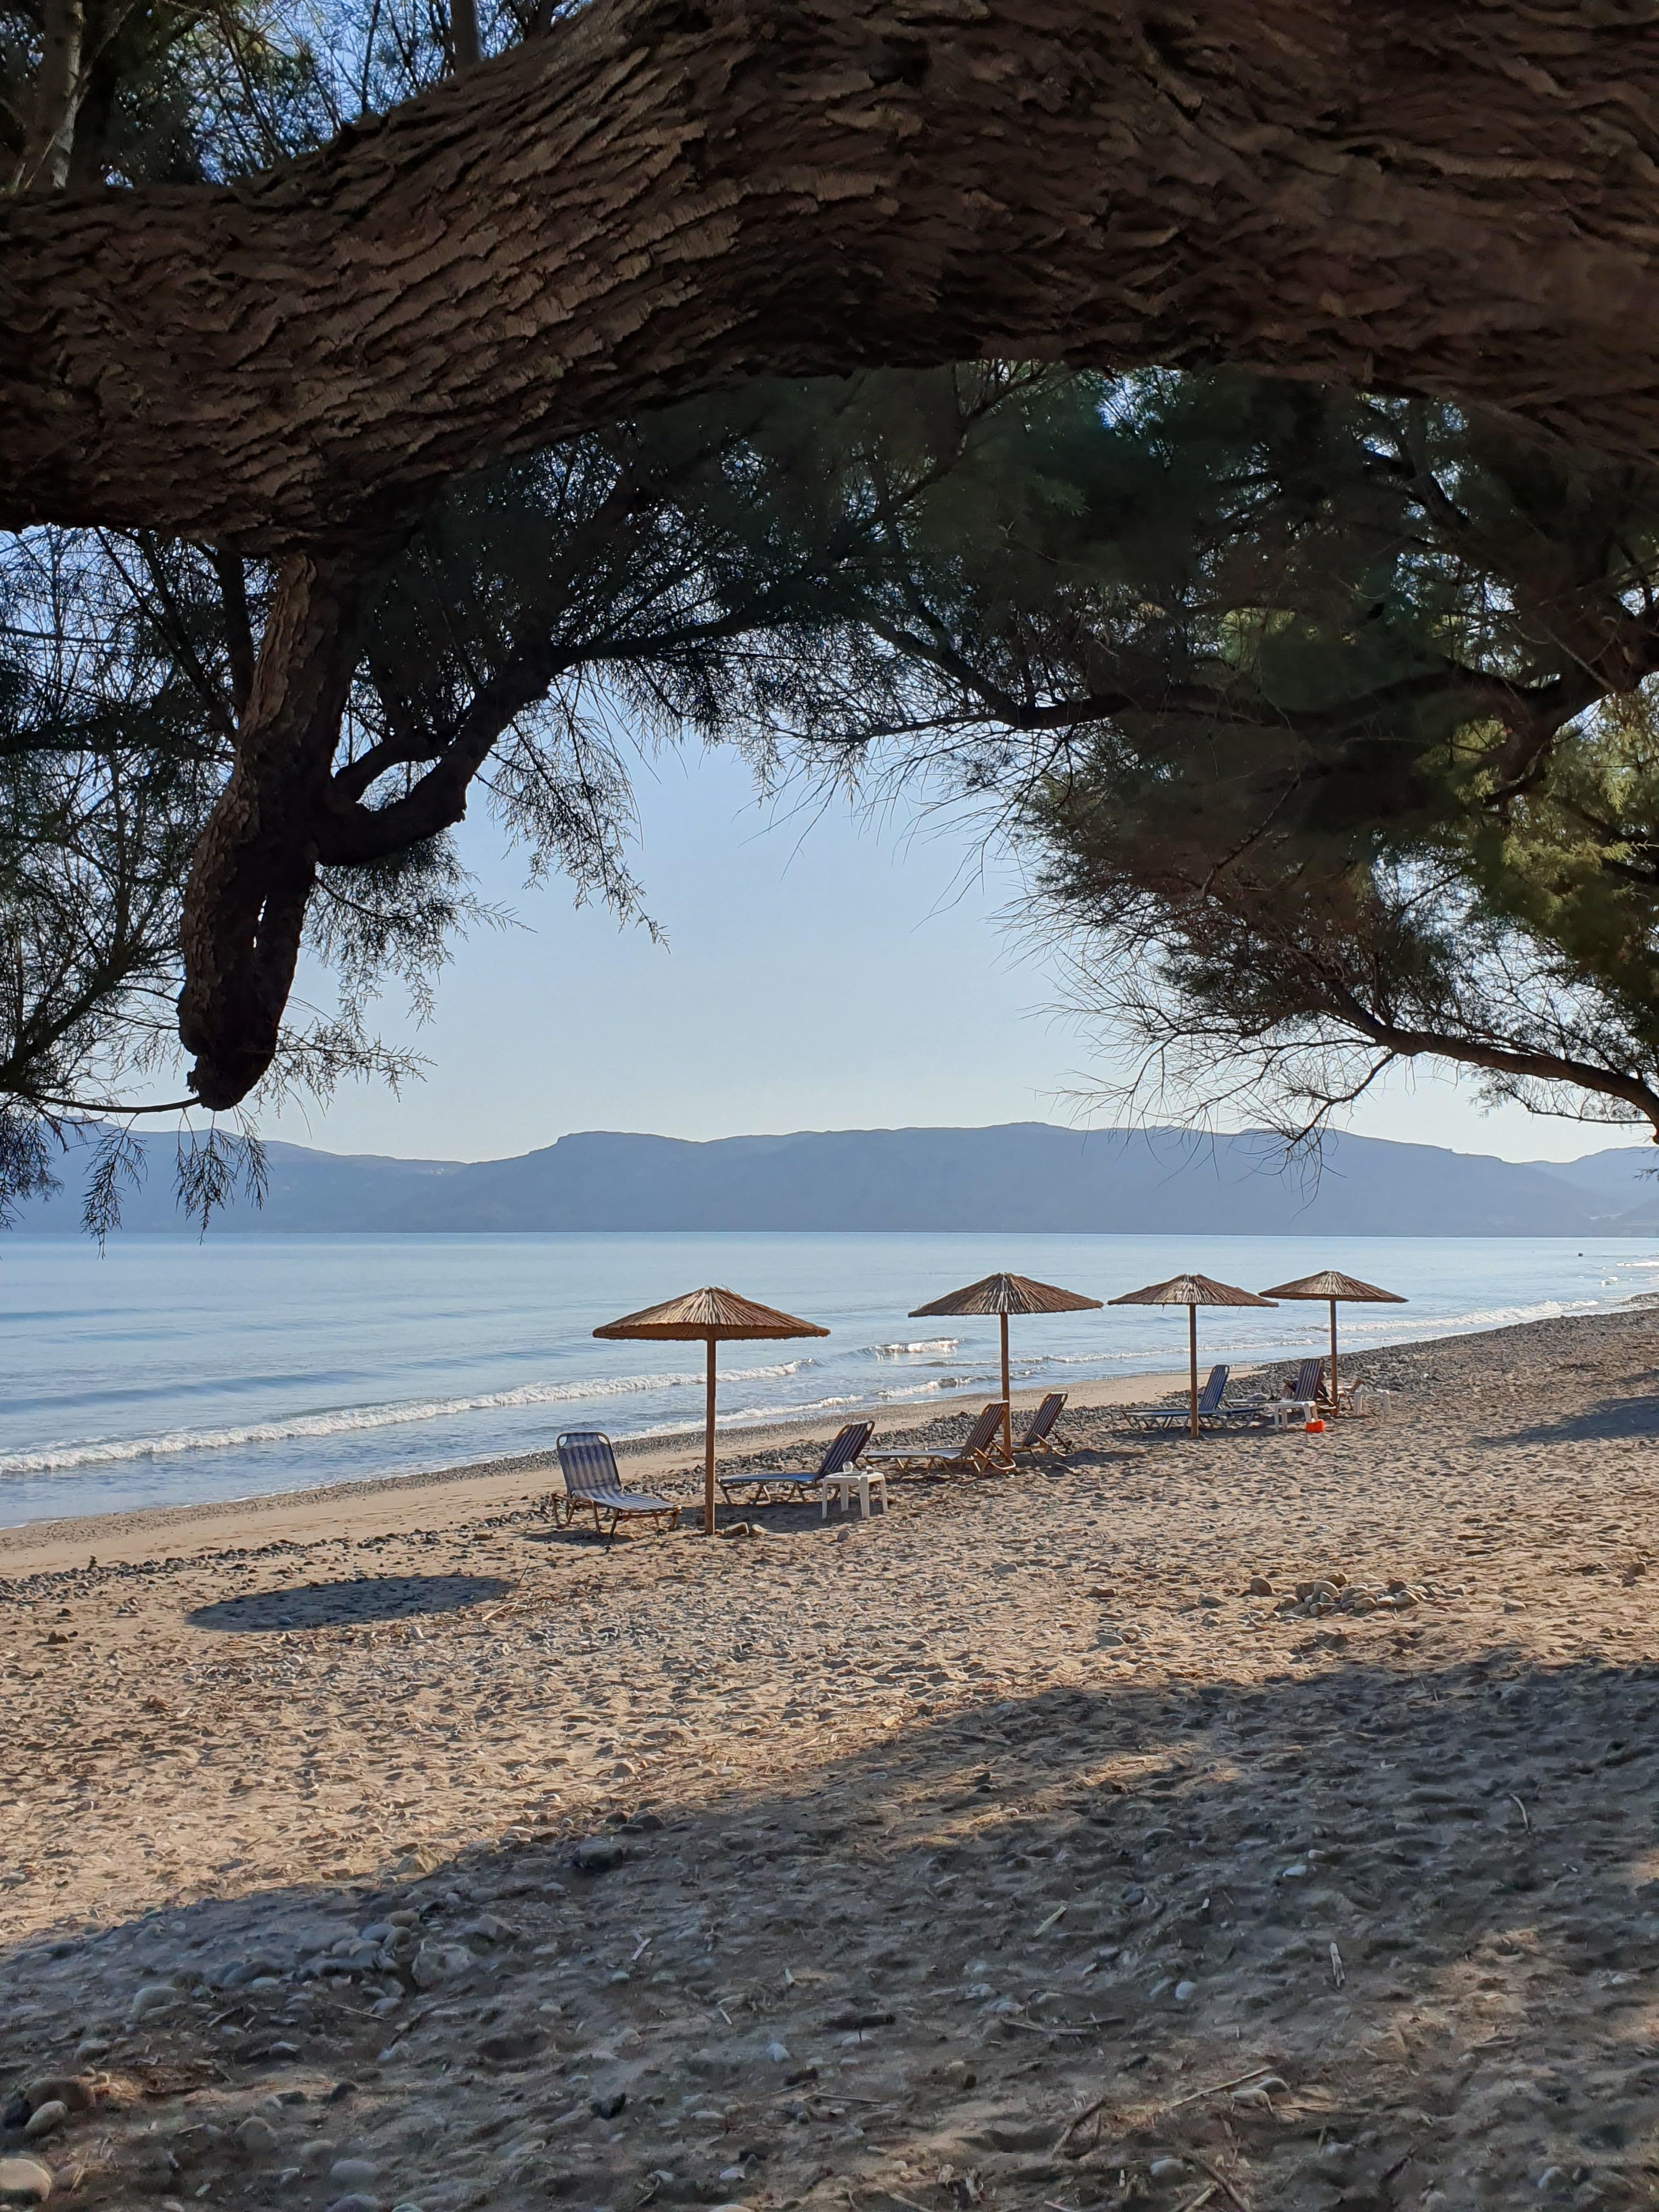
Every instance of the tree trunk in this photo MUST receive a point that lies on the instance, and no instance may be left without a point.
(668, 195)
(464, 48)
(50, 142)
(245, 904)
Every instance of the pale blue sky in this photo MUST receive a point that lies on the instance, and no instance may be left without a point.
(817, 975)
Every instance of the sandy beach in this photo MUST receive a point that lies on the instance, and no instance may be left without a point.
(1262, 1822)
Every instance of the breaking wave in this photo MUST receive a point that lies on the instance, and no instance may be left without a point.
(60, 1459)
(1362, 1319)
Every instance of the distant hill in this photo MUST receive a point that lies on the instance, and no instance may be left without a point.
(1024, 1176)
(1625, 1180)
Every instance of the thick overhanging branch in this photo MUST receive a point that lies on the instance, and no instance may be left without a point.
(1533, 1066)
(675, 194)
(245, 904)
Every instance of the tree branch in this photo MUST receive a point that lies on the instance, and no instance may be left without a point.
(245, 904)
(43, 163)
(676, 194)
(1504, 1059)
(238, 626)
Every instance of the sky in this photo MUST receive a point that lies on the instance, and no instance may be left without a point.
(816, 972)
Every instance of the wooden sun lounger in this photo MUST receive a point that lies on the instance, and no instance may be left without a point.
(1306, 1390)
(975, 1454)
(1040, 1437)
(795, 1485)
(1177, 1415)
(591, 1483)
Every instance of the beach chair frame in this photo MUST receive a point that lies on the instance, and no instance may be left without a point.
(1040, 1439)
(1307, 1389)
(796, 1487)
(1154, 1418)
(593, 1483)
(975, 1454)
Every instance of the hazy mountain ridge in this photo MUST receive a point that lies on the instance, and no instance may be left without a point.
(1016, 1176)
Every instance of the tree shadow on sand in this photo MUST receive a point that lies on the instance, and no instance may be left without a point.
(1614, 1420)
(348, 1604)
(1378, 1937)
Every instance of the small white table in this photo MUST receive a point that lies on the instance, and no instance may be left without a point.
(851, 1483)
(1284, 1410)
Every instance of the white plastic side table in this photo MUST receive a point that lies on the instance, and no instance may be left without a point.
(849, 1484)
(1286, 1410)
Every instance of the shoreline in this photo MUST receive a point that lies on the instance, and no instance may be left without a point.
(189, 1418)
(446, 1494)
(649, 1457)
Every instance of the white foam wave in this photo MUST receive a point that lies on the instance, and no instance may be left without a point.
(1476, 1318)
(907, 1351)
(342, 1421)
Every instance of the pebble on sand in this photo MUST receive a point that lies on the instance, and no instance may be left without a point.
(598, 1855)
(46, 2119)
(24, 2181)
(70, 2089)
(438, 1963)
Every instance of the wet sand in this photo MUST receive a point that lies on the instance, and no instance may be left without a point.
(1035, 1845)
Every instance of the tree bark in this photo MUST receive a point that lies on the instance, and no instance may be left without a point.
(245, 904)
(463, 47)
(50, 142)
(1420, 195)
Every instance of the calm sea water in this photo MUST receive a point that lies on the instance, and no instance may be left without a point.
(168, 1372)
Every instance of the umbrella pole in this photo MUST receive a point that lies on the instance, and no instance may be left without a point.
(1007, 1410)
(1332, 1359)
(709, 1450)
(1192, 1364)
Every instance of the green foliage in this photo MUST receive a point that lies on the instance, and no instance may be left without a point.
(540, 627)
(1417, 814)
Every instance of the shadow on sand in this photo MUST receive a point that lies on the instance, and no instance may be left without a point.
(1419, 1903)
(1615, 1420)
(348, 1604)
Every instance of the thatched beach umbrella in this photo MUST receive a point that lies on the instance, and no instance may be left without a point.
(1191, 1292)
(1003, 1295)
(709, 1316)
(1334, 1288)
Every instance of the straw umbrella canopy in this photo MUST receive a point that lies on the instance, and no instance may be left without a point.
(1191, 1292)
(1003, 1295)
(1334, 1289)
(709, 1316)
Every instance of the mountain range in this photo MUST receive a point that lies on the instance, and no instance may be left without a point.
(1025, 1176)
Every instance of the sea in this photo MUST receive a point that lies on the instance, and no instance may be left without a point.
(168, 1372)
